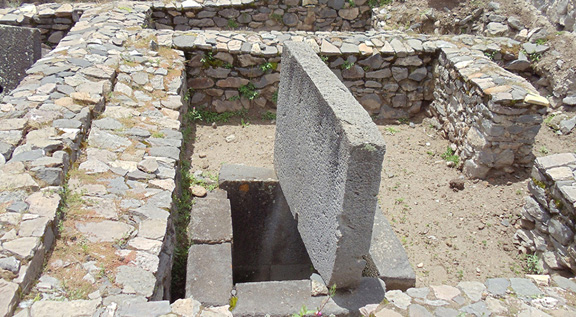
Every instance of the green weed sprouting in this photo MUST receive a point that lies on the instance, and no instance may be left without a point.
(449, 156)
(248, 91)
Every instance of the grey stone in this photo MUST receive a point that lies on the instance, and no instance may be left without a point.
(496, 29)
(108, 124)
(566, 126)
(153, 308)
(50, 176)
(416, 310)
(478, 309)
(165, 151)
(474, 290)
(64, 308)
(10, 264)
(421, 292)
(106, 140)
(570, 100)
(388, 255)
(17, 206)
(445, 312)
(559, 231)
(349, 139)
(20, 49)
(28, 156)
(524, 287)
(105, 231)
(210, 221)
(139, 280)
(497, 286)
(209, 273)
(67, 124)
(9, 297)
(564, 283)
(399, 299)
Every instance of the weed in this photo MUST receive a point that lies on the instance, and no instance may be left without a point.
(544, 150)
(491, 55)
(347, 65)
(268, 115)
(275, 97)
(431, 153)
(208, 60)
(538, 183)
(519, 192)
(399, 201)
(243, 123)
(268, 66)
(369, 147)
(318, 312)
(210, 116)
(232, 302)
(449, 156)
(532, 266)
(324, 58)
(248, 91)
(228, 66)
(232, 24)
(276, 17)
(541, 41)
(460, 274)
(379, 3)
(157, 134)
(351, 3)
(484, 243)
(202, 182)
(391, 130)
(403, 120)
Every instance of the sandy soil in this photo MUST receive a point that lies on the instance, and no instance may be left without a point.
(449, 235)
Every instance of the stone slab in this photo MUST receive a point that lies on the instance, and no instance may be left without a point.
(389, 256)
(209, 273)
(210, 221)
(20, 49)
(328, 157)
(8, 297)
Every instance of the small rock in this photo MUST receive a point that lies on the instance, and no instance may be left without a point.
(202, 155)
(198, 191)
(420, 265)
(457, 184)
(230, 138)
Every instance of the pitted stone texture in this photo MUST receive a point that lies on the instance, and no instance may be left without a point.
(328, 157)
(210, 221)
(209, 273)
(19, 50)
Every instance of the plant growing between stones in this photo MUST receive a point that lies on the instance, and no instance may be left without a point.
(268, 66)
(318, 312)
(232, 24)
(449, 156)
(347, 65)
(532, 264)
(248, 91)
(268, 115)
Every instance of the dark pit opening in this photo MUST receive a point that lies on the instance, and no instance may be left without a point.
(266, 244)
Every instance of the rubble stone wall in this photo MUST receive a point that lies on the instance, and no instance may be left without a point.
(264, 15)
(491, 114)
(548, 214)
(562, 13)
(52, 19)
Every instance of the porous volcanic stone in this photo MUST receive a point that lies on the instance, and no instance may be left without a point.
(19, 50)
(328, 156)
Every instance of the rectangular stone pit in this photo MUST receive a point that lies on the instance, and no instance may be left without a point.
(328, 156)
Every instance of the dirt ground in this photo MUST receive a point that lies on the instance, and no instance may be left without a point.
(449, 236)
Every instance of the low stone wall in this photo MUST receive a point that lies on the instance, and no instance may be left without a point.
(52, 19)
(264, 15)
(20, 49)
(389, 75)
(490, 114)
(548, 214)
(561, 13)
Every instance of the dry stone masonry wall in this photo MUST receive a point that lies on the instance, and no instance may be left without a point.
(264, 15)
(491, 114)
(562, 13)
(52, 19)
(549, 212)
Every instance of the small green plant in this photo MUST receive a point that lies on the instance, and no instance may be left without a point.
(232, 302)
(391, 130)
(369, 147)
(157, 134)
(268, 66)
(276, 17)
(202, 182)
(431, 153)
(449, 156)
(324, 58)
(541, 41)
(268, 115)
(127, 9)
(234, 98)
(403, 120)
(351, 3)
(243, 123)
(275, 97)
(532, 265)
(347, 65)
(544, 150)
(210, 116)
(318, 312)
(228, 66)
(460, 274)
(208, 60)
(379, 3)
(549, 119)
(188, 94)
(248, 91)
(491, 55)
(538, 183)
(232, 24)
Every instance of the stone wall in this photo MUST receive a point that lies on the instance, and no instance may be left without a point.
(490, 114)
(52, 19)
(548, 225)
(261, 15)
(20, 49)
(561, 13)
(391, 76)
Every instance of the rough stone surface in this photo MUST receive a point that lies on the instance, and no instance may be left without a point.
(209, 273)
(20, 49)
(348, 139)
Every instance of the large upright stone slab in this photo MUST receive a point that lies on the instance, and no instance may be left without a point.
(328, 157)
(19, 49)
